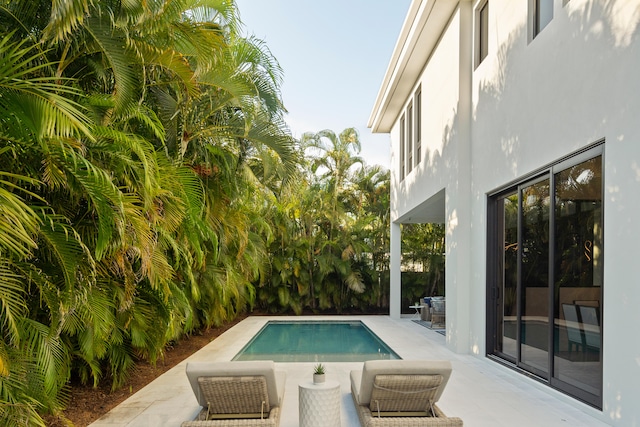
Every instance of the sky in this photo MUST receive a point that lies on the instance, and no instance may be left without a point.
(334, 54)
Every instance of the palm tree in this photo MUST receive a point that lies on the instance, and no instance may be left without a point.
(336, 158)
(122, 217)
(333, 165)
(372, 185)
(40, 125)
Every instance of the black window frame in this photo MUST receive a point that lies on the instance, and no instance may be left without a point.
(536, 17)
(417, 108)
(592, 151)
(482, 32)
(402, 148)
(409, 137)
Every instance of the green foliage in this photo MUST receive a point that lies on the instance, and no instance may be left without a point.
(330, 250)
(321, 253)
(149, 187)
(423, 250)
(133, 143)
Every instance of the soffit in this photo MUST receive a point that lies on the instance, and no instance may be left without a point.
(431, 210)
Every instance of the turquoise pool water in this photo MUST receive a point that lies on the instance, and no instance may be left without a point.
(315, 341)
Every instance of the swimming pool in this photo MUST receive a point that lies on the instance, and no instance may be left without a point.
(315, 341)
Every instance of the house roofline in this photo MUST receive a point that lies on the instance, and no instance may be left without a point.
(423, 26)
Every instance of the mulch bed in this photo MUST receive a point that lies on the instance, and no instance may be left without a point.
(87, 404)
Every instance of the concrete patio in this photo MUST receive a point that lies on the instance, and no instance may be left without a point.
(481, 392)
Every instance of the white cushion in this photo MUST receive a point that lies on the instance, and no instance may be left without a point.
(275, 379)
(362, 381)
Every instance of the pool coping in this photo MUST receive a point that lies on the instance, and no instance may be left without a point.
(317, 356)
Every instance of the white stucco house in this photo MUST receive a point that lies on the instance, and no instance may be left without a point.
(516, 123)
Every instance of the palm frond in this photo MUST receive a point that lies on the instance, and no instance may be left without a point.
(33, 104)
(66, 16)
(107, 200)
(18, 221)
(172, 62)
(62, 246)
(127, 73)
(22, 413)
(131, 157)
(355, 283)
(49, 352)
(12, 306)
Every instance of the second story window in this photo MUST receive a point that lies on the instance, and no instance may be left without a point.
(542, 15)
(417, 100)
(482, 31)
(402, 149)
(409, 138)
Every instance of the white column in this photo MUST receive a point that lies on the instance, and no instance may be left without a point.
(394, 271)
(458, 200)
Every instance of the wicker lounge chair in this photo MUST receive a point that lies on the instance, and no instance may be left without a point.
(238, 394)
(438, 312)
(402, 393)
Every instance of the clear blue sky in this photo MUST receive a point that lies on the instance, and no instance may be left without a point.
(334, 54)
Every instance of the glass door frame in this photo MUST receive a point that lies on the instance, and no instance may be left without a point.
(493, 314)
(493, 265)
(546, 176)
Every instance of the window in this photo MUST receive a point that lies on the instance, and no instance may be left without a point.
(542, 15)
(545, 275)
(411, 134)
(482, 32)
(402, 148)
(417, 99)
(409, 138)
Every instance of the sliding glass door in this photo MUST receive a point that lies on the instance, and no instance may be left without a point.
(545, 276)
(506, 304)
(534, 277)
(578, 271)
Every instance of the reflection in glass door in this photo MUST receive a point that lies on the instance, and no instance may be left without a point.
(546, 276)
(534, 277)
(507, 298)
(578, 272)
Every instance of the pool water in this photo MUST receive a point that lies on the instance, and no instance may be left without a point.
(315, 341)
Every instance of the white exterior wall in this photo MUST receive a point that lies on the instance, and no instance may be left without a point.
(442, 167)
(439, 82)
(534, 102)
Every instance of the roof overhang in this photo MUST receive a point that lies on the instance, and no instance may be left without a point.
(431, 210)
(420, 33)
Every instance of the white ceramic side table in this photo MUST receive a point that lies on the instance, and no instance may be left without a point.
(319, 404)
(417, 308)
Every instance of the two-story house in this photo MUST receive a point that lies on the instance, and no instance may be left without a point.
(516, 123)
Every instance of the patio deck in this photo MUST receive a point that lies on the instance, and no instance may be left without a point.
(480, 392)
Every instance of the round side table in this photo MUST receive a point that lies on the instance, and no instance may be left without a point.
(319, 404)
